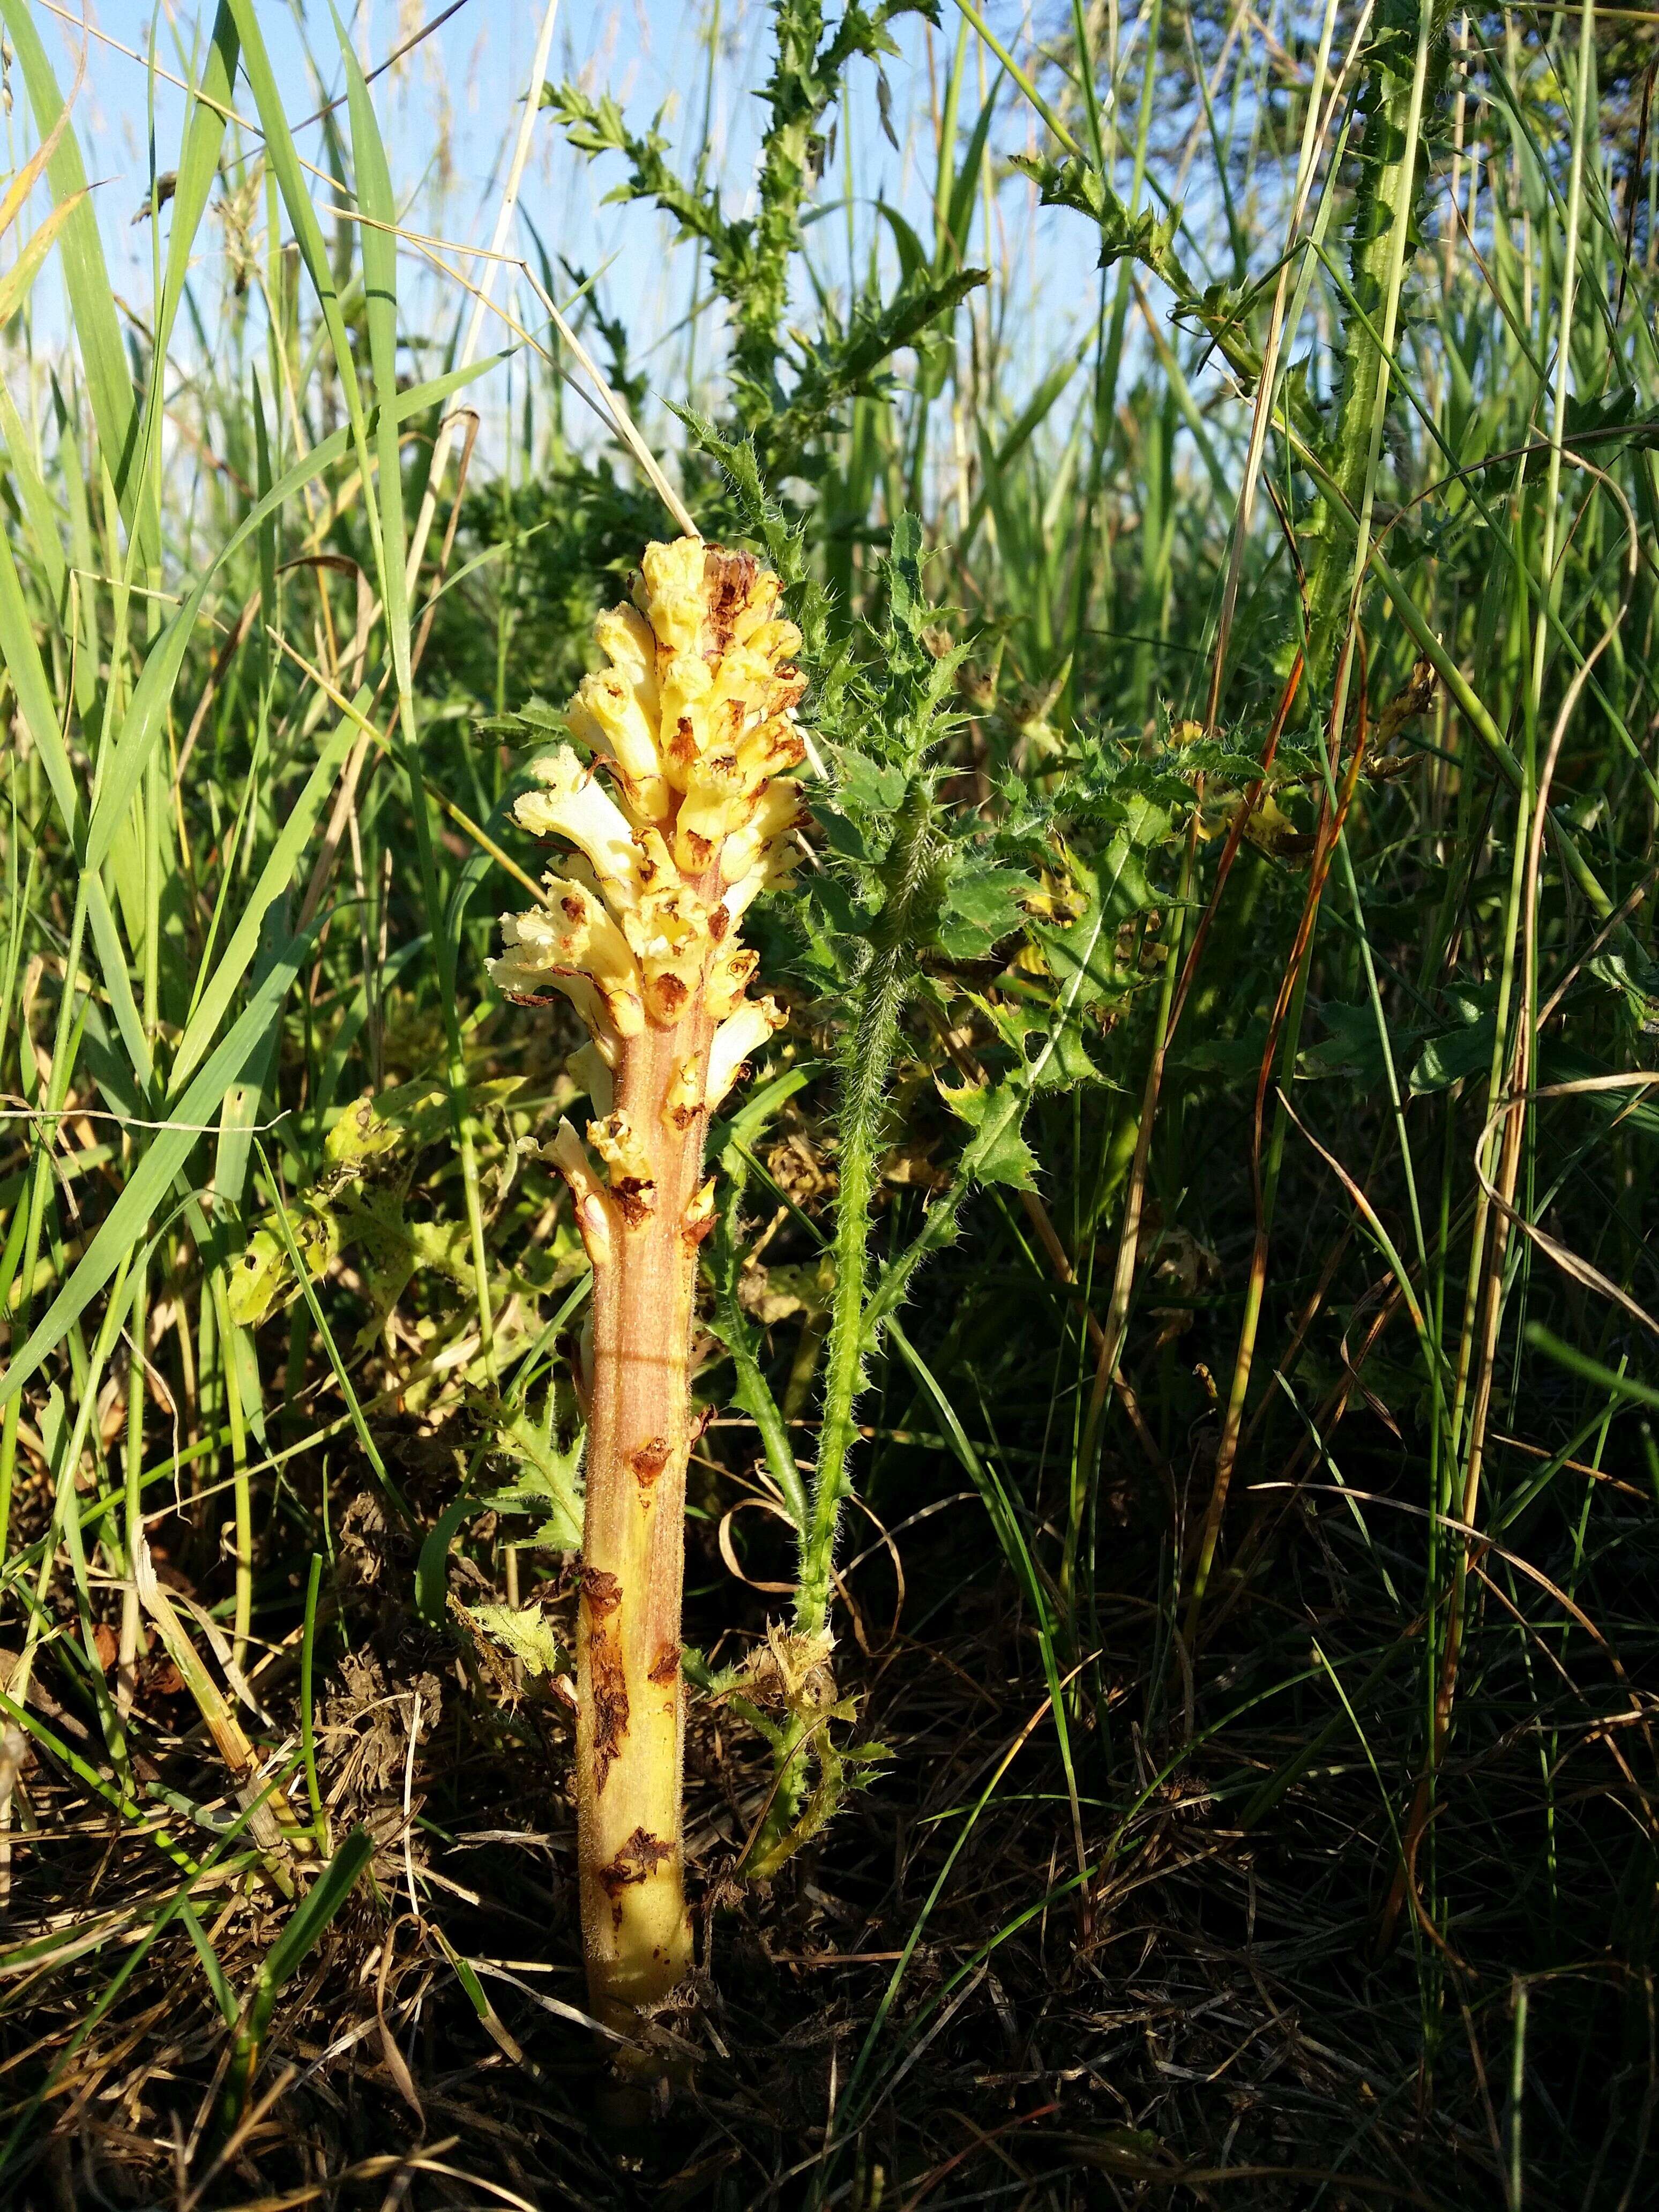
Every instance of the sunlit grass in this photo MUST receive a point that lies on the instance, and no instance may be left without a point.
(1181, 1306)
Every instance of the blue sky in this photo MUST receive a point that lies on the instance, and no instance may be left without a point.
(450, 111)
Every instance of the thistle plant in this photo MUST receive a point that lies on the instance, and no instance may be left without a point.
(684, 812)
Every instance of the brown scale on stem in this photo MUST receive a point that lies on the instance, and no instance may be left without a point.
(636, 1861)
(646, 1461)
(680, 815)
(608, 1692)
(603, 1592)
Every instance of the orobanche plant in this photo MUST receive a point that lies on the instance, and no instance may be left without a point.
(685, 813)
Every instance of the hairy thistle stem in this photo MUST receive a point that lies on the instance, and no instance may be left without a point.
(867, 1061)
(694, 726)
(866, 1058)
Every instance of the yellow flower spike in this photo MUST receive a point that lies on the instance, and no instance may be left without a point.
(570, 804)
(743, 678)
(596, 1215)
(699, 1215)
(629, 644)
(739, 1035)
(588, 1066)
(695, 717)
(574, 939)
(729, 977)
(683, 1099)
(608, 714)
(716, 803)
(520, 974)
(671, 593)
(622, 1148)
(754, 607)
(771, 748)
(779, 640)
(687, 684)
(577, 928)
(748, 851)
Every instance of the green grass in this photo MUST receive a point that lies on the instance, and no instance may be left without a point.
(1192, 1250)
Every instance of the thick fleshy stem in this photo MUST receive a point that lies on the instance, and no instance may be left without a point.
(630, 1721)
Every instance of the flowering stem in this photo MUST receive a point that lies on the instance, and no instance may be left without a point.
(694, 726)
